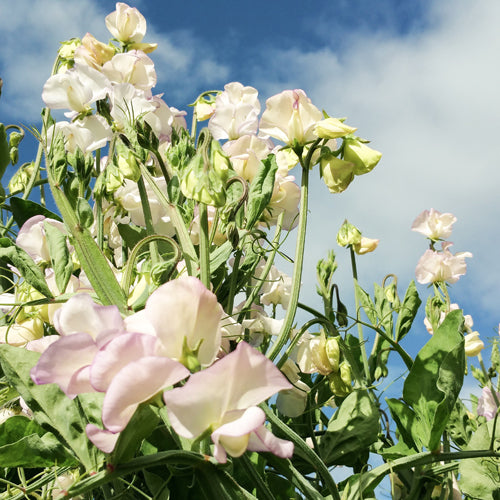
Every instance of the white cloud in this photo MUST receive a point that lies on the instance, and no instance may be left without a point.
(429, 101)
(31, 32)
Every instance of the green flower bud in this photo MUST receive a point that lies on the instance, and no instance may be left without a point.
(14, 139)
(345, 374)
(348, 235)
(20, 179)
(127, 164)
(332, 349)
(337, 386)
(332, 128)
(364, 158)
(205, 177)
(336, 173)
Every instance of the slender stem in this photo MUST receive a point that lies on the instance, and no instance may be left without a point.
(360, 327)
(297, 269)
(234, 282)
(204, 245)
(488, 380)
(98, 205)
(305, 451)
(153, 247)
(256, 479)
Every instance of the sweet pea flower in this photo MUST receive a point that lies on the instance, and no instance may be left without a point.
(473, 344)
(33, 240)
(223, 399)
(441, 266)
(285, 198)
(366, 245)
(292, 402)
(92, 52)
(276, 288)
(332, 128)
(236, 112)
(75, 89)
(126, 23)
(133, 67)
(193, 325)
(21, 333)
(129, 103)
(434, 225)
(364, 158)
(336, 173)
(84, 327)
(246, 154)
(88, 133)
(290, 117)
(486, 404)
(194, 229)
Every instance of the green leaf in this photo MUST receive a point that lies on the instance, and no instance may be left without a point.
(408, 311)
(59, 255)
(480, 477)
(261, 190)
(367, 304)
(141, 425)
(406, 423)
(22, 210)
(384, 310)
(23, 443)
(84, 213)
(25, 265)
(51, 408)
(436, 377)
(351, 430)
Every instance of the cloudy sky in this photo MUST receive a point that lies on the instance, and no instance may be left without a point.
(420, 79)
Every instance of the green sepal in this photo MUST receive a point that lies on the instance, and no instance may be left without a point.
(261, 190)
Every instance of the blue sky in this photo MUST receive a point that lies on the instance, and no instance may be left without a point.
(418, 78)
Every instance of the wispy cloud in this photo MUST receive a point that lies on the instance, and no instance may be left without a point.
(429, 101)
(31, 33)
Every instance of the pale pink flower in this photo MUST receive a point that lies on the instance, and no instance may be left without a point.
(224, 399)
(92, 52)
(181, 313)
(441, 266)
(434, 224)
(33, 240)
(84, 328)
(486, 405)
(290, 116)
(126, 23)
(236, 112)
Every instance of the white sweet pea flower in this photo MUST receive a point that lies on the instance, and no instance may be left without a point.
(75, 89)
(292, 402)
(441, 266)
(129, 103)
(88, 133)
(246, 153)
(129, 198)
(290, 117)
(276, 288)
(473, 344)
(434, 225)
(236, 112)
(133, 67)
(126, 23)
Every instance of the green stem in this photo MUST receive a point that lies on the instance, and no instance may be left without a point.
(204, 245)
(360, 327)
(234, 282)
(297, 268)
(305, 451)
(488, 379)
(256, 479)
(146, 209)
(98, 205)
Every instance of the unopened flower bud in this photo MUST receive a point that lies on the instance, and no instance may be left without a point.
(345, 374)
(364, 158)
(348, 235)
(336, 173)
(366, 245)
(473, 344)
(332, 349)
(332, 128)
(67, 49)
(127, 165)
